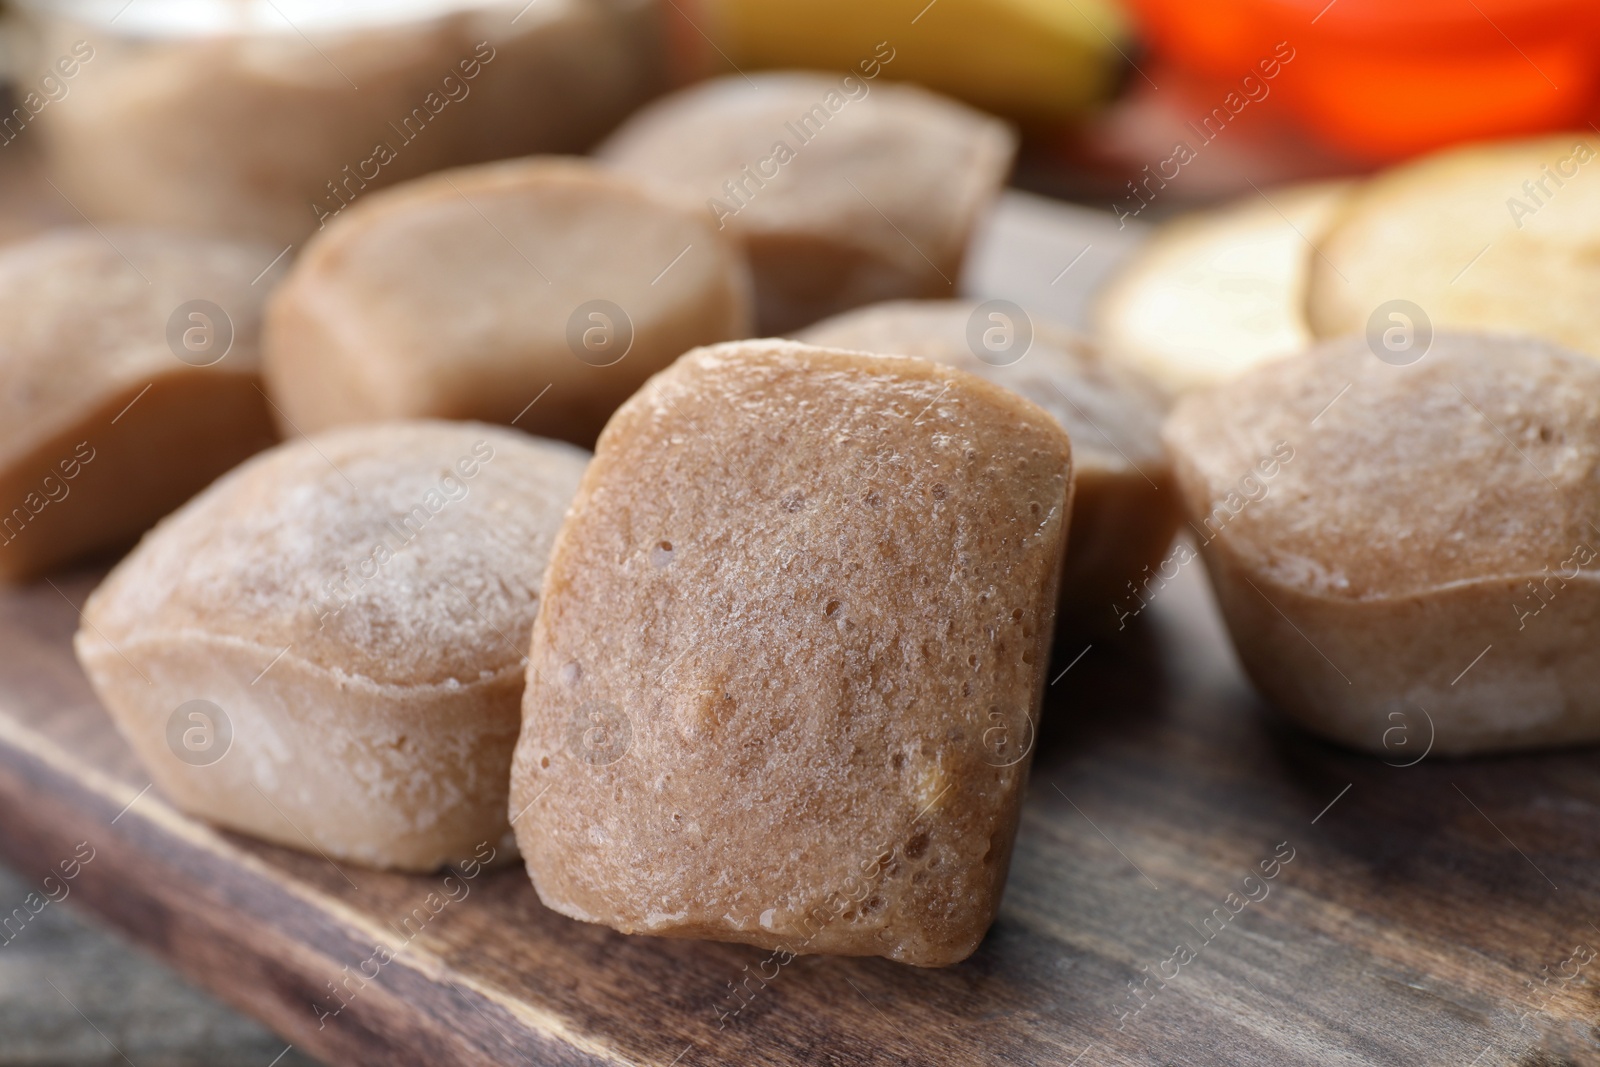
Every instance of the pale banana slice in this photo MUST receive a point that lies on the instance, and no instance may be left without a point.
(1215, 292)
(1503, 237)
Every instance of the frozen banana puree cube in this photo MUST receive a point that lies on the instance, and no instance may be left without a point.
(783, 685)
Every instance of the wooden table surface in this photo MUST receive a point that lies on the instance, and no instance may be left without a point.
(1437, 913)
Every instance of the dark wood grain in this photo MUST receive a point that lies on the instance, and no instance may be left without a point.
(1424, 918)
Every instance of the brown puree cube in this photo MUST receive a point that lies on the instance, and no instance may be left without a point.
(244, 118)
(783, 686)
(325, 648)
(129, 379)
(1124, 501)
(469, 293)
(844, 190)
(1407, 555)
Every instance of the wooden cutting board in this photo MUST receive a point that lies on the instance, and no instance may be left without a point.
(1436, 913)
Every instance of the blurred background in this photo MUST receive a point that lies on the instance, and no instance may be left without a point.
(184, 109)
(232, 115)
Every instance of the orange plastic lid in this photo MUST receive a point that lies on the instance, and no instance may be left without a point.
(1381, 79)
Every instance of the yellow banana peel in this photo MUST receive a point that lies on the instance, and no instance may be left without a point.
(1032, 60)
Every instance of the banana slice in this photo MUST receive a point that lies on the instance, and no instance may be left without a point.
(1502, 237)
(1215, 292)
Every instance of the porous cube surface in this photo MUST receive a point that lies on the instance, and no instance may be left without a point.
(354, 609)
(1406, 555)
(844, 190)
(784, 683)
(1125, 506)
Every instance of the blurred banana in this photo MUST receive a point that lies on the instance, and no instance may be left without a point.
(1031, 60)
